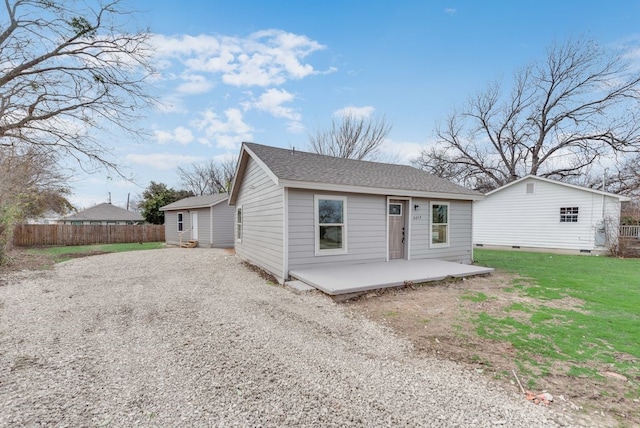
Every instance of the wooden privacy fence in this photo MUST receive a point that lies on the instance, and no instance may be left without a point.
(35, 235)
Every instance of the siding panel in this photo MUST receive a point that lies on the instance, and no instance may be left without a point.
(172, 235)
(366, 230)
(511, 217)
(223, 225)
(460, 222)
(262, 210)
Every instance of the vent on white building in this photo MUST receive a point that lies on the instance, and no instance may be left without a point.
(530, 188)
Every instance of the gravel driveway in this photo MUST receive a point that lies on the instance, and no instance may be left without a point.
(179, 337)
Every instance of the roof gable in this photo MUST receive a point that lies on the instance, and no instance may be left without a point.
(558, 183)
(293, 168)
(104, 212)
(203, 201)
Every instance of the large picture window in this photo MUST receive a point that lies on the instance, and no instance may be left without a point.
(439, 224)
(331, 226)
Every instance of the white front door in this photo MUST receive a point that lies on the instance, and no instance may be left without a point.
(194, 225)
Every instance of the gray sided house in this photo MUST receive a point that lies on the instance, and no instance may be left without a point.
(207, 219)
(297, 210)
(104, 213)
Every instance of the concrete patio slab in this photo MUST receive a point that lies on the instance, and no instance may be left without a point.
(353, 278)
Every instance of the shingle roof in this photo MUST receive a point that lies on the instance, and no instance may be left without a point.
(197, 202)
(104, 212)
(294, 165)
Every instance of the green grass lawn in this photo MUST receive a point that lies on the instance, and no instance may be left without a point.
(61, 254)
(602, 332)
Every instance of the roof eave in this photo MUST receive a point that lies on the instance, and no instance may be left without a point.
(195, 206)
(307, 185)
(245, 153)
(560, 183)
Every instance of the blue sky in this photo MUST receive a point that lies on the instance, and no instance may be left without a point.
(272, 72)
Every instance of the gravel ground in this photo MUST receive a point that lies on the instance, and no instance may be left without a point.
(179, 337)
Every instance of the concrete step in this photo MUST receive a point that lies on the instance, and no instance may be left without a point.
(298, 286)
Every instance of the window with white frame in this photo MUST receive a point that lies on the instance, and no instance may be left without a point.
(180, 222)
(239, 223)
(439, 224)
(331, 225)
(569, 215)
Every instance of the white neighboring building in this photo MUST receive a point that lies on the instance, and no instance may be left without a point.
(539, 213)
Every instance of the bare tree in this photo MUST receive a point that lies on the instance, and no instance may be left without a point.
(33, 183)
(624, 179)
(70, 67)
(352, 137)
(30, 185)
(207, 178)
(562, 115)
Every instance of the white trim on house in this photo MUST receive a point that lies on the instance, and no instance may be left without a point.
(431, 224)
(374, 190)
(257, 160)
(559, 183)
(211, 224)
(330, 252)
(407, 220)
(285, 225)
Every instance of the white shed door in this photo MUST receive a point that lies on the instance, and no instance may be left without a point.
(194, 225)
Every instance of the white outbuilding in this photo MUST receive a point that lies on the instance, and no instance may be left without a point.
(540, 213)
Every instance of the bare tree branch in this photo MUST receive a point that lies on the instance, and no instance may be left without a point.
(207, 178)
(351, 137)
(69, 70)
(574, 108)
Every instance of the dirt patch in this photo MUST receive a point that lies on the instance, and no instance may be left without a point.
(19, 259)
(438, 319)
(82, 254)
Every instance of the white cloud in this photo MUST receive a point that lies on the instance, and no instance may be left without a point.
(296, 127)
(401, 152)
(450, 11)
(170, 104)
(357, 112)
(194, 84)
(264, 58)
(271, 101)
(227, 132)
(180, 135)
(225, 157)
(162, 161)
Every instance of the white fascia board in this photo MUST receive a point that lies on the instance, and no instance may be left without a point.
(560, 183)
(192, 207)
(236, 178)
(376, 190)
